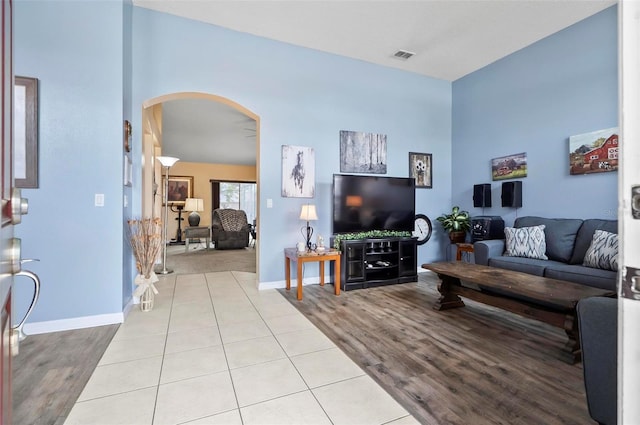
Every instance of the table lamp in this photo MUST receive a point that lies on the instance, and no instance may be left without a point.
(195, 205)
(308, 213)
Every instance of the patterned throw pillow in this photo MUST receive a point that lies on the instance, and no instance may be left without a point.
(603, 251)
(526, 242)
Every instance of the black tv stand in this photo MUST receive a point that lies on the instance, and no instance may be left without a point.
(373, 262)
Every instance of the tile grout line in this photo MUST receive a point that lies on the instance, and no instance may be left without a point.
(224, 350)
(291, 362)
(164, 350)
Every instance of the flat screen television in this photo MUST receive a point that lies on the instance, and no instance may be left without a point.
(363, 203)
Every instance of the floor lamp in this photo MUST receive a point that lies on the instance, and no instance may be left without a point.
(167, 162)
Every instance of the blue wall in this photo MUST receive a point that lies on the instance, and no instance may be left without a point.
(128, 260)
(98, 61)
(75, 50)
(532, 101)
(303, 97)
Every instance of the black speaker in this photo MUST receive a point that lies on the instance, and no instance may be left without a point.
(482, 195)
(512, 194)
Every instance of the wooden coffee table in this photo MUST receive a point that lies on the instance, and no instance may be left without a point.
(548, 300)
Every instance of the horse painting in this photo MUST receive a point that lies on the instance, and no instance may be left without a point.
(297, 174)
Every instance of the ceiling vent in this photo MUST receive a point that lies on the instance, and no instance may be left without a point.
(403, 54)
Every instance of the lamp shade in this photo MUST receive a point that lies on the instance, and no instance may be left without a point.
(167, 161)
(308, 212)
(194, 204)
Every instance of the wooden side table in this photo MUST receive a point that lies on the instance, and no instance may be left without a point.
(292, 254)
(197, 232)
(463, 247)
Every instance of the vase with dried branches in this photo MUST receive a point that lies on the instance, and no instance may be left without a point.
(145, 237)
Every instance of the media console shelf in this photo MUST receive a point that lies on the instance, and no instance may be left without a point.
(374, 262)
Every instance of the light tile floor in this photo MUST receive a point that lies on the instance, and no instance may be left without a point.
(215, 350)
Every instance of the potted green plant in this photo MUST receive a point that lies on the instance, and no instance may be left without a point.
(457, 223)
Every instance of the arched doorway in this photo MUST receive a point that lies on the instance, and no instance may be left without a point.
(154, 113)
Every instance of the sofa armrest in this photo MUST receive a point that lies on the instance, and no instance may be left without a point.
(483, 250)
(598, 323)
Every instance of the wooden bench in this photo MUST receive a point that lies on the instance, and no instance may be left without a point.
(548, 300)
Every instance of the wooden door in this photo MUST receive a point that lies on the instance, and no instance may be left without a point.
(6, 227)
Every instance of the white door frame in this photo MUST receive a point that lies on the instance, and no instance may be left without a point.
(629, 243)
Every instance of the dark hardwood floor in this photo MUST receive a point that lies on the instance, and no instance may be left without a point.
(471, 365)
(51, 370)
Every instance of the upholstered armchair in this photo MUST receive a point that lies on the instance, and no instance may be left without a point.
(230, 229)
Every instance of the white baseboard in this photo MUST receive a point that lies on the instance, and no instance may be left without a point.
(74, 323)
(277, 284)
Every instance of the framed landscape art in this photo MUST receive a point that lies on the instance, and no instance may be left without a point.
(509, 167)
(595, 152)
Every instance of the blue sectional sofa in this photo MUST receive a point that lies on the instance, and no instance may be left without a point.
(567, 241)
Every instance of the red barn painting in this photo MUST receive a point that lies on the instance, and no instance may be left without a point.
(594, 152)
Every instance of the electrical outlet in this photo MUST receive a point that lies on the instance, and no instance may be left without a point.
(99, 200)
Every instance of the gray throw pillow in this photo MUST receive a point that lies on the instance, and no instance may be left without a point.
(603, 251)
(526, 242)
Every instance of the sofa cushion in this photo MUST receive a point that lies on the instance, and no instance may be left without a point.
(585, 235)
(519, 264)
(603, 251)
(597, 278)
(560, 234)
(528, 242)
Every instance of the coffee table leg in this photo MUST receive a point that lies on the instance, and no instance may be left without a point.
(447, 298)
(571, 351)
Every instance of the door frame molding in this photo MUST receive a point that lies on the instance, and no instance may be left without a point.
(152, 146)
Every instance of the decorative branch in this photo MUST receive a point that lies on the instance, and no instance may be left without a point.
(145, 237)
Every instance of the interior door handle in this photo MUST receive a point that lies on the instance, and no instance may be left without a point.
(18, 329)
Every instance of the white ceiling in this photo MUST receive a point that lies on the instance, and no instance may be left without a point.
(200, 130)
(450, 38)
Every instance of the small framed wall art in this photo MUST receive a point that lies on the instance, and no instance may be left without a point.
(179, 189)
(420, 168)
(298, 172)
(509, 167)
(128, 171)
(127, 136)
